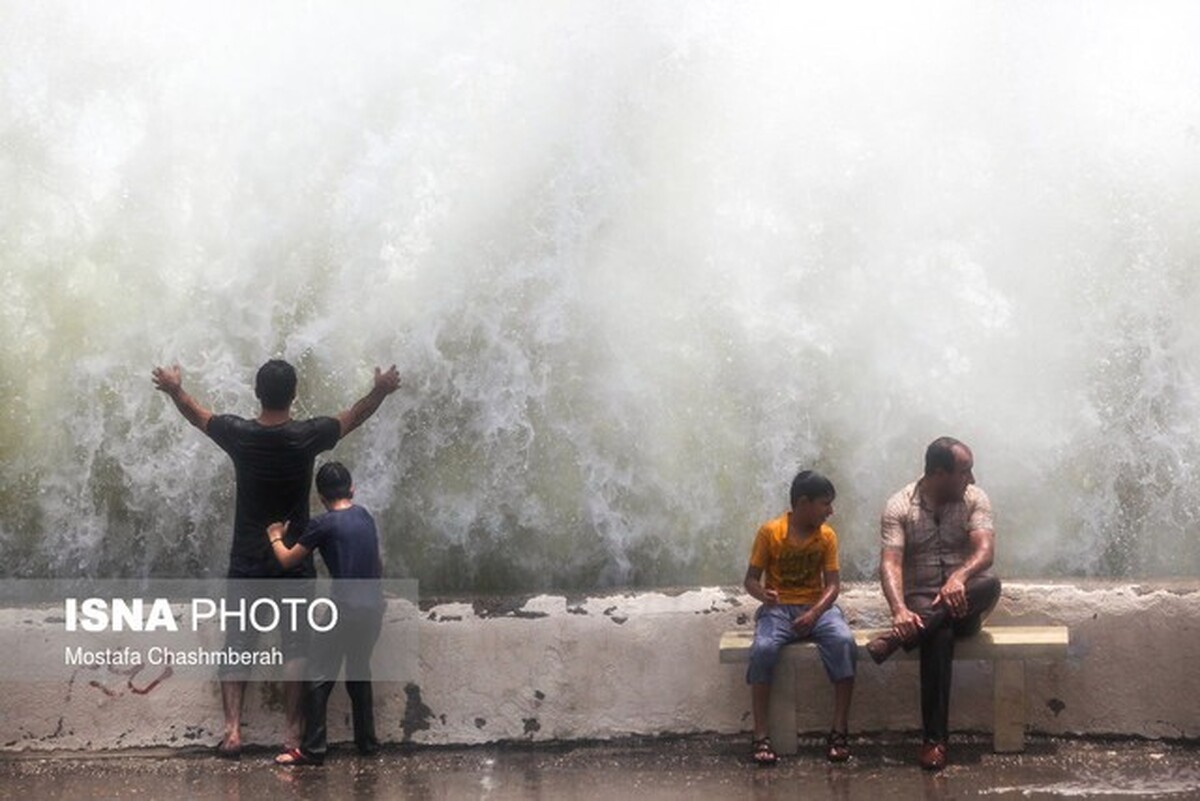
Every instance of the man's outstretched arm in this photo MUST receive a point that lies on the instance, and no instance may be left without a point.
(385, 384)
(170, 381)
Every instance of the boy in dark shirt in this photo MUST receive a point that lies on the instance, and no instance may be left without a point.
(349, 544)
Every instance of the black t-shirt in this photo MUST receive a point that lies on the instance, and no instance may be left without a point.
(274, 467)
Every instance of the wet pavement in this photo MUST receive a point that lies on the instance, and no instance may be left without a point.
(696, 768)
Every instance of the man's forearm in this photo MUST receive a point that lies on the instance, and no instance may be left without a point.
(169, 381)
(973, 566)
(891, 577)
(386, 382)
(192, 411)
(979, 560)
(358, 414)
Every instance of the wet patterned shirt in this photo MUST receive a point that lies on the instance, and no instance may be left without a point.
(934, 545)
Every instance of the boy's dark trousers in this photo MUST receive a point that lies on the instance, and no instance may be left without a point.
(352, 641)
(937, 648)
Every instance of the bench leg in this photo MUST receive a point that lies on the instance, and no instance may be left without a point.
(781, 714)
(1008, 733)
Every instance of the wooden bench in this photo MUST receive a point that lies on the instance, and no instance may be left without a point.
(1006, 647)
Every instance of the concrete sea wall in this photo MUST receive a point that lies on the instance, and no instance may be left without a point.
(563, 668)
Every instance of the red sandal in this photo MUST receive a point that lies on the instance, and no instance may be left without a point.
(294, 756)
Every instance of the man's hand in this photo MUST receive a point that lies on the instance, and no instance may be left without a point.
(954, 595)
(770, 597)
(168, 379)
(804, 624)
(387, 382)
(907, 624)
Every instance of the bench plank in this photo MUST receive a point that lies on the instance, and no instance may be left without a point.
(992, 643)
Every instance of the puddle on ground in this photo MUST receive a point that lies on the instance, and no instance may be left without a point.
(698, 769)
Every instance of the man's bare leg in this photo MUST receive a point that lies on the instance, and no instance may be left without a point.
(232, 693)
(293, 703)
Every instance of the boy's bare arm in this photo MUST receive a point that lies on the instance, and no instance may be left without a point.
(833, 585)
(385, 384)
(288, 557)
(170, 381)
(754, 586)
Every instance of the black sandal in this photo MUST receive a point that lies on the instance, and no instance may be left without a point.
(837, 746)
(763, 755)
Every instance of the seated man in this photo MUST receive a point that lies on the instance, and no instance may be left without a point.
(935, 569)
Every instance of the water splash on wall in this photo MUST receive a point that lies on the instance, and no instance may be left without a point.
(637, 264)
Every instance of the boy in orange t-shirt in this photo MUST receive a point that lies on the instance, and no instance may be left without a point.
(794, 572)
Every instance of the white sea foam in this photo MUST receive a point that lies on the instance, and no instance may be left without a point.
(637, 264)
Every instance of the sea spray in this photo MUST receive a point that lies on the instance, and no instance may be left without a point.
(637, 264)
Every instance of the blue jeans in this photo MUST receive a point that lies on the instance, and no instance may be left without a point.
(773, 630)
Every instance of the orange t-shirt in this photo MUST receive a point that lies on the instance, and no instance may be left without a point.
(795, 570)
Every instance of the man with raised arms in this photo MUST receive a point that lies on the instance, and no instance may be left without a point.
(273, 458)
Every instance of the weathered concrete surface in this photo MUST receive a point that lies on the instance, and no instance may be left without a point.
(698, 768)
(553, 668)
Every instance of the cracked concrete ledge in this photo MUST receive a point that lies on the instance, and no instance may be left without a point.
(549, 667)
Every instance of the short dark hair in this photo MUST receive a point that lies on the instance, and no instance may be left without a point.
(812, 485)
(940, 455)
(275, 384)
(334, 481)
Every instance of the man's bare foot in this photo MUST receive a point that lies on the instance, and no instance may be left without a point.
(230, 747)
